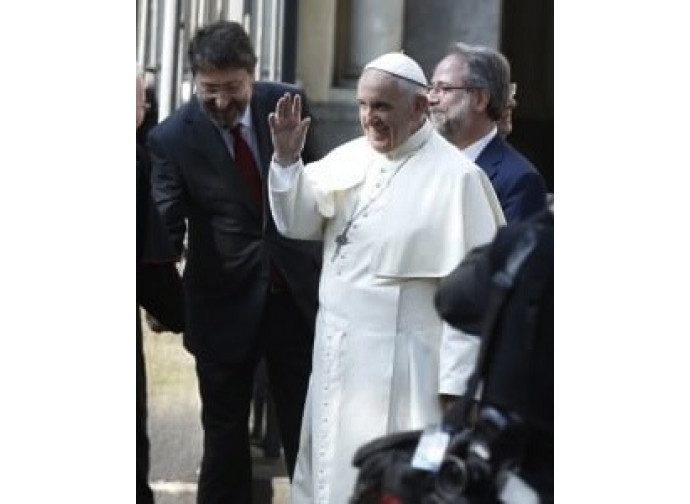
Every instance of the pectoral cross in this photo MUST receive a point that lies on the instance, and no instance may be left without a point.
(341, 240)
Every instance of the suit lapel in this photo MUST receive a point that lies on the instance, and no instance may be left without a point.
(206, 140)
(260, 110)
(491, 157)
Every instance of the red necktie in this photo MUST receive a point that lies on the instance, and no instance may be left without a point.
(246, 166)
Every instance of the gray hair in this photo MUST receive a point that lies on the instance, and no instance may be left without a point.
(411, 88)
(486, 69)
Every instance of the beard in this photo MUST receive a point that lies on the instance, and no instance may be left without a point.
(441, 122)
(449, 123)
(227, 116)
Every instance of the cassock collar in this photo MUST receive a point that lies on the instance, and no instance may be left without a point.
(416, 140)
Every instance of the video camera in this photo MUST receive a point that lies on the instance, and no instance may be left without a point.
(473, 466)
(504, 451)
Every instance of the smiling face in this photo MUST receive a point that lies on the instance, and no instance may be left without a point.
(224, 94)
(450, 102)
(388, 112)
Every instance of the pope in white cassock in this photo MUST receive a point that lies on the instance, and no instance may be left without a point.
(397, 210)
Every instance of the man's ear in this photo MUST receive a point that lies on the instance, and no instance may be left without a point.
(420, 105)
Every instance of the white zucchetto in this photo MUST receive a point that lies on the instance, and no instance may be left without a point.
(400, 65)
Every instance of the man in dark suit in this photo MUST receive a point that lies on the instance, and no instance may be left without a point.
(469, 92)
(159, 290)
(249, 291)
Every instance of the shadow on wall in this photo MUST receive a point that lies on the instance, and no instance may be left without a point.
(333, 124)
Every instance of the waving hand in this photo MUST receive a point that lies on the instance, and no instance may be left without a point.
(288, 129)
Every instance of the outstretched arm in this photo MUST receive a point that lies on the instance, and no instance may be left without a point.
(291, 197)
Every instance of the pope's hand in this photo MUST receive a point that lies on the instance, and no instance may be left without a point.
(288, 129)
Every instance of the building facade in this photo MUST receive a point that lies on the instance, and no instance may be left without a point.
(323, 45)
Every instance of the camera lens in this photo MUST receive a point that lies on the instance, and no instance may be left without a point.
(452, 478)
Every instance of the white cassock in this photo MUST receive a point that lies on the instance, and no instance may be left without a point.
(381, 353)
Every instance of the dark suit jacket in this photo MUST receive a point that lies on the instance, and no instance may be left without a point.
(520, 188)
(159, 290)
(230, 244)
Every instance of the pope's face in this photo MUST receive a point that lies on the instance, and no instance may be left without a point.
(224, 94)
(386, 112)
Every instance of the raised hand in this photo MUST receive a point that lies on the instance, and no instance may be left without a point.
(288, 129)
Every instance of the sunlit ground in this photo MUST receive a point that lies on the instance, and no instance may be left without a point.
(175, 429)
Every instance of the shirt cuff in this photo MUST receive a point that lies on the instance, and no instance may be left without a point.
(282, 178)
(459, 353)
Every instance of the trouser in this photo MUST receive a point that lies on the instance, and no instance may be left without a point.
(144, 493)
(267, 438)
(285, 341)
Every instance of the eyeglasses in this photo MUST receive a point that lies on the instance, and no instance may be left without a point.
(210, 91)
(445, 89)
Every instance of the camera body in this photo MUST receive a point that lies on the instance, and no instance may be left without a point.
(502, 291)
(478, 466)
